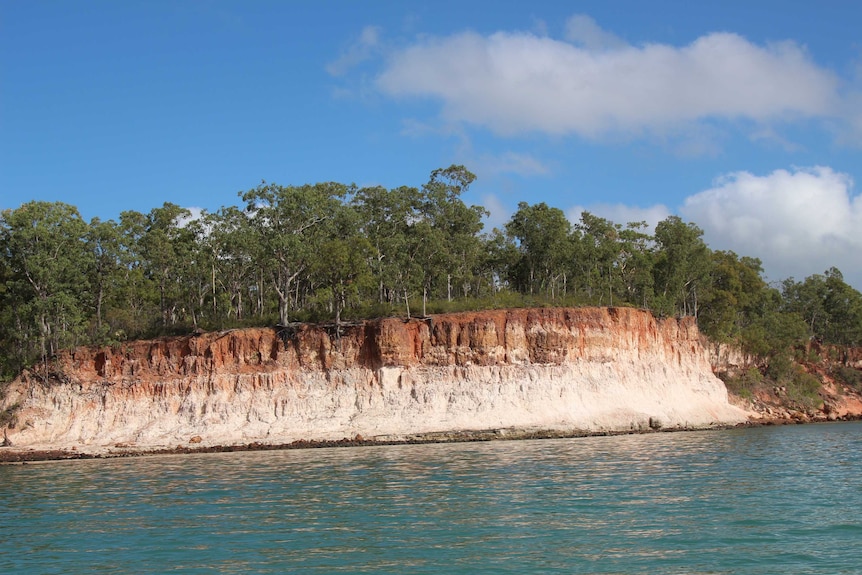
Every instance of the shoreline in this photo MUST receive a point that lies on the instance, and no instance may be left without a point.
(9, 455)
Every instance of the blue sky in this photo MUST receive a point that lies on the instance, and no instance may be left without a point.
(743, 117)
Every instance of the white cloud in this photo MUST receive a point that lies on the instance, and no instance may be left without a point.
(195, 213)
(498, 214)
(622, 214)
(798, 222)
(509, 163)
(583, 30)
(359, 51)
(520, 82)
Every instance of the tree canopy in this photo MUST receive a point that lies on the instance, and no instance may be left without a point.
(335, 251)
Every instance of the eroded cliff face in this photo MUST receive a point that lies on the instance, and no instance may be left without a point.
(571, 370)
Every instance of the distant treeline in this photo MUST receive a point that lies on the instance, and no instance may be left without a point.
(334, 252)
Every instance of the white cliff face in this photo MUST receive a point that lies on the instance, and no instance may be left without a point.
(567, 370)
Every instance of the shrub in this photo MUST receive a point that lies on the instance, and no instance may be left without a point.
(803, 388)
(780, 368)
(7, 416)
(744, 384)
(849, 376)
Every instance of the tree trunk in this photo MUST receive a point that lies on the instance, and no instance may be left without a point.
(406, 303)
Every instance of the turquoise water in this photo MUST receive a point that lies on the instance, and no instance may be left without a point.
(766, 500)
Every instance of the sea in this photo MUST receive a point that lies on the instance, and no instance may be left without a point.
(783, 499)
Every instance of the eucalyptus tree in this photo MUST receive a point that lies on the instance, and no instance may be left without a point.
(426, 257)
(544, 239)
(234, 253)
(830, 307)
(342, 263)
(135, 305)
(199, 282)
(843, 303)
(104, 240)
(385, 217)
(44, 248)
(681, 267)
(453, 231)
(165, 245)
(733, 297)
(502, 256)
(288, 225)
(599, 253)
(635, 262)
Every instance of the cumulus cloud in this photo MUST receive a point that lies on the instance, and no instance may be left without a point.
(583, 30)
(595, 85)
(509, 163)
(622, 214)
(498, 214)
(359, 51)
(195, 213)
(798, 222)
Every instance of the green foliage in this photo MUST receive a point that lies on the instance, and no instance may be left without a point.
(849, 376)
(803, 388)
(831, 308)
(45, 291)
(780, 368)
(330, 251)
(773, 332)
(544, 247)
(734, 297)
(744, 384)
(681, 268)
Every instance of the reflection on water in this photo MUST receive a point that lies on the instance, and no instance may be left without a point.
(769, 500)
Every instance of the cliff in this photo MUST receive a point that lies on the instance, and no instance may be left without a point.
(568, 371)
(823, 384)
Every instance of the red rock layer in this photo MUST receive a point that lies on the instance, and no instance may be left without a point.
(498, 337)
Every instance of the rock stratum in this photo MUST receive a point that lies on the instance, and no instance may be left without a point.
(503, 372)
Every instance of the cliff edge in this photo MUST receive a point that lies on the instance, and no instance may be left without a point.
(566, 371)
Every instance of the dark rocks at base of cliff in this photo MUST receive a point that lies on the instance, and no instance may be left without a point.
(10, 456)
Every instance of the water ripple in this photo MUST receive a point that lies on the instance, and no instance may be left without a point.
(769, 500)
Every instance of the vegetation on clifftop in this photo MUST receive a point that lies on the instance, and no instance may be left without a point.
(332, 251)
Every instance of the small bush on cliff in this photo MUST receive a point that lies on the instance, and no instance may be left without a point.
(8, 415)
(848, 376)
(803, 388)
(780, 368)
(744, 384)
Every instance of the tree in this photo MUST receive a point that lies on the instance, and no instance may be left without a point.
(734, 295)
(105, 245)
(635, 261)
(165, 245)
(44, 247)
(231, 242)
(385, 217)
(501, 259)
(134, 304)
(342, 262)
(453, 229)
(831, 308)
(600, 256)
(681, 268)
(843, 305)
(286, 222)
(543, 236)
